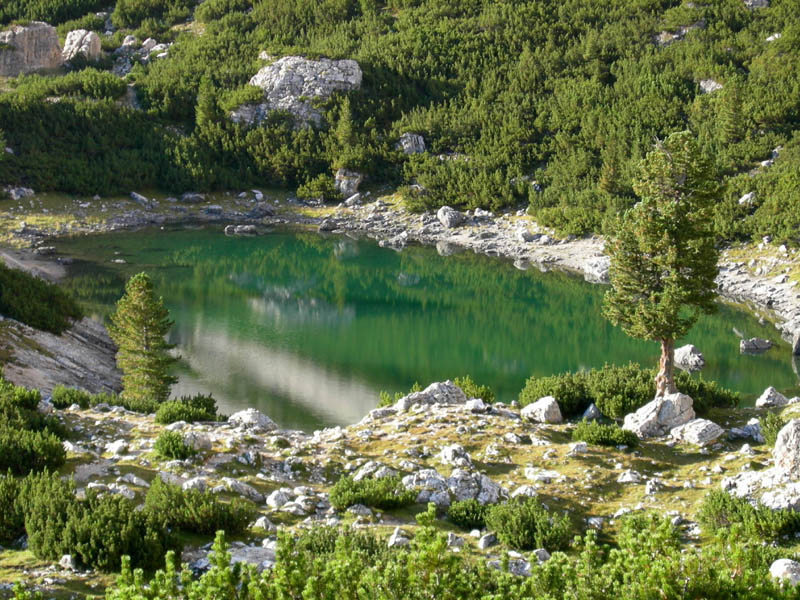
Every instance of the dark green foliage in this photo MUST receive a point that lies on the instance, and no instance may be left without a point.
(200, 407)
(771, 425)
(12, 519)
(45, 500)
(473, 390)
(322, 541)
(132, 13)
(603, 435)
(468, 514)
(619, 390)
(318, 188)
(35, 302)
(385, 399)
(169, 444)
(87, 83)
(64, 397)
(720, 510)
(138, 327)
(29, 441)
(51, 11)
(193, 511)
(386, 493)
(524, 524)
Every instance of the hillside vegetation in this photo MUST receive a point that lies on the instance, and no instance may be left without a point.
(567, 94)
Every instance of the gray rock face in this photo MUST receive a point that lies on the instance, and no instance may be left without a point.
(771, 397)
(431, 487)
(455, 455)
(467, 485)
(787, 449)
(658, 417)
(544, 410)
(449, 217)
(81, 42)
(346, 182)
(786, 570)
(592, 413)
(290, 82)
(262, 558)
(29, 48)
(411, 143)
(709, 85)
(595, 269)
(699, 432)
(445, 392)
(754, 346)
(67, 562)
(18, 193)
(689, 357)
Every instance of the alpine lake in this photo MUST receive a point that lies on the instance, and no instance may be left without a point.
(309, 328)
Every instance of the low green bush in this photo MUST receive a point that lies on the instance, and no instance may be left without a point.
(318, 188)
(12, 519)
(386, 493)
(198, 512)
(321, 542)
(619, 390)
(771, 425)
(473, 390)
(721, 511)
(169, 444)
(524, 524)
(23, 451)
(603, 435)
(35, 302)
(200, 407)
(64, 397)
(468, 514)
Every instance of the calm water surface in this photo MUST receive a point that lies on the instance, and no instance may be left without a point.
(309, 328)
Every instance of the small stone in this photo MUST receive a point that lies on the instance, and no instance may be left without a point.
(785, 570)
(487, 541)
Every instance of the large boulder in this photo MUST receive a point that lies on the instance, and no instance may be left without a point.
(291, 82)
(771, 398)
(787, 449)
(469, 485)
(699, 432)
(658, 417)
(431, 487)
(251, 418)
(411, 143)
(786, 571)
(443, 392)
(449, 217)
(346, 182)
(81, 42)
(29, 48)
(544, 410)
(689, 357)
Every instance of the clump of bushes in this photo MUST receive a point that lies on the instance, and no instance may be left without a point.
(200, 407)
(96, 531)
(721, 511)
(35, 302)
(473, 390)
(64, 397)
(619, 390)
(525, 524)
(29, 440)
(170, 444)
(771, 425)
(468, 514)
(199, 512)
(603, 435)
(386, 493)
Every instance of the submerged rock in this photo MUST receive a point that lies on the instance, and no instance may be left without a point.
(754, 346)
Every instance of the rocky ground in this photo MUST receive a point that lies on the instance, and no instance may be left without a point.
(445, 446)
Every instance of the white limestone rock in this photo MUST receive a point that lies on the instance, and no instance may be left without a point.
(346, 182)
(659, 416)
(449, 217)
(771, 398)
(445, 392)
(700, 432)
(787, 449)
(252, 419)
(243, 489)
(785, 570)
(411, 143)
(544, 410)
(83, 43)
(455, 455)
(689, 357)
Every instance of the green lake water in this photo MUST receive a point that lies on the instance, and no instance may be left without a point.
(309, 328)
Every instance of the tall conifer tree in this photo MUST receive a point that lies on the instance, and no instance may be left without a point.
(664, 257)
(138, 327)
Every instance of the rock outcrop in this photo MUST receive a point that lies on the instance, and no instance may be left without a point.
(81, 42)
(346, 182)
(787, 449)
(29, 48)
(291, 82)
(411, 143)
(660, 416)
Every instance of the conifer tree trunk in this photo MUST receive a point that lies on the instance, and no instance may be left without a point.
(665, 385)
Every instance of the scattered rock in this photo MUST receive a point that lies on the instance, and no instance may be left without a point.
(689, 357)
(748, 199)
(787, 449)
(544, 410)
(264, 523)
(116, 448)
(139, 199)
(754, 346)
(243, 489)
(699, 432)
(771, 398)
(18, 193)
(595, 269)
(629, 476)
(750, 431)
(83, 43)
(278, 498)
(476, 405)
(659, 416)
(411, 143)
(327, 225)
(29, 48)
(252, 419)
(195, 483)
(786, 570)
(756, 3)
(449, 217)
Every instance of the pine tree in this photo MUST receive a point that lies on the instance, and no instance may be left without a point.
(664, 258)
(138, 327)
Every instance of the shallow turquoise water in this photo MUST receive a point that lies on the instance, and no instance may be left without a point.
(309, 328)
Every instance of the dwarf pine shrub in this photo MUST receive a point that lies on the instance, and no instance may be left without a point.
(170, 445)
(386, 493)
